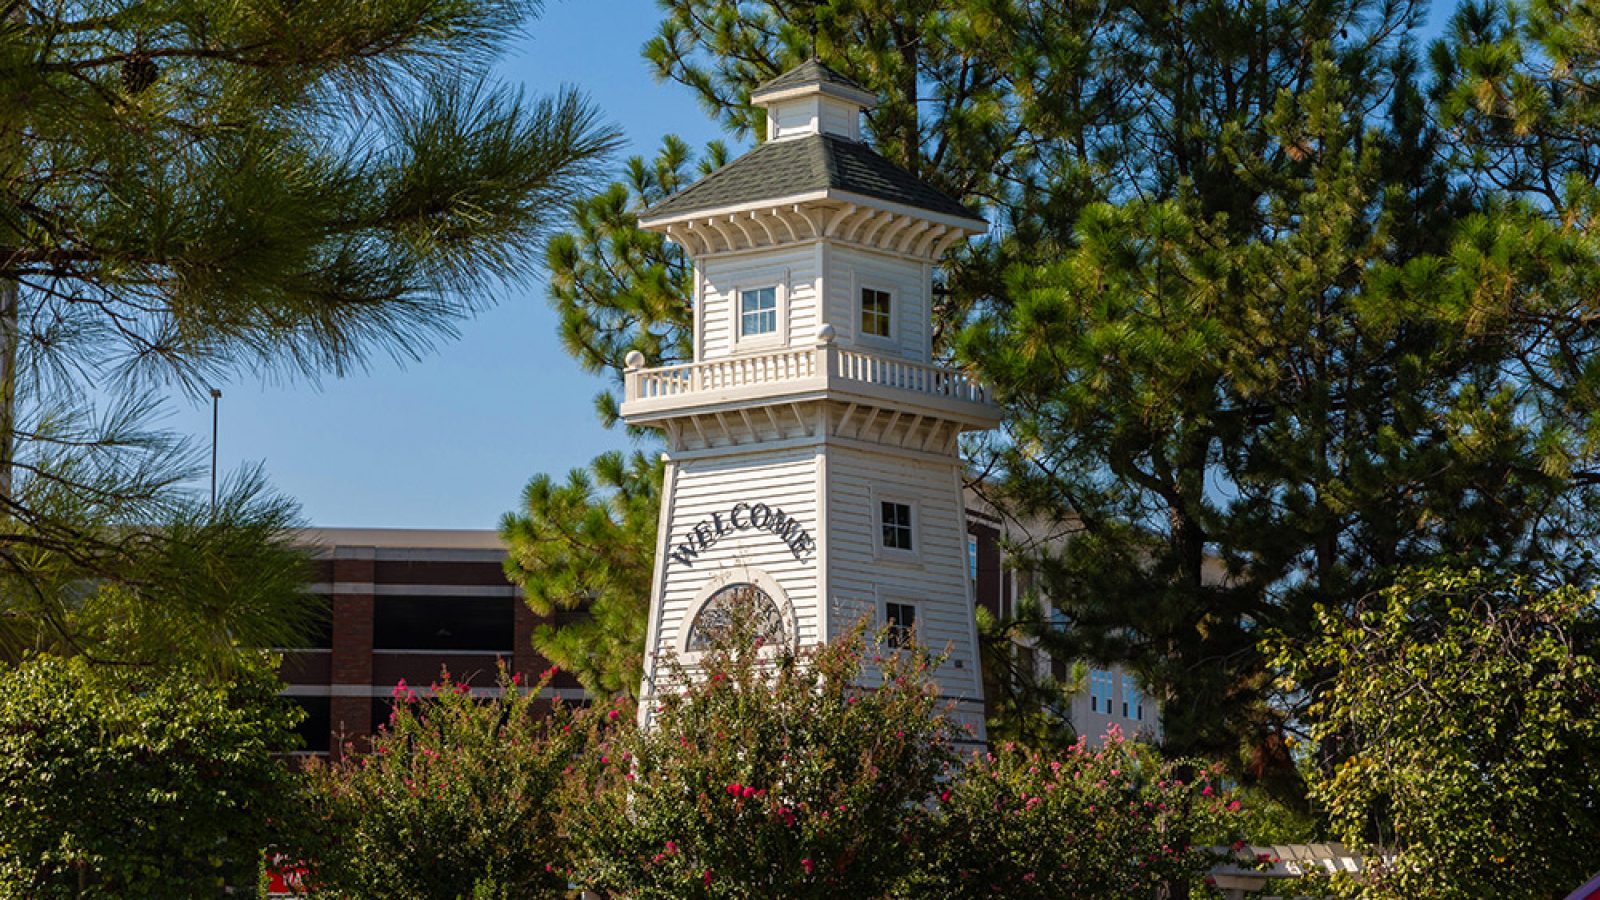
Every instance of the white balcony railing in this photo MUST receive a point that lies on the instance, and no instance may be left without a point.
(826, 366)
(722, 374)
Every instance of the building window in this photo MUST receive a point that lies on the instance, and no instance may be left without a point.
(901, 618)
(1100, 691)
(972, 557)
(758, 312)
(316, 729)
(483, 624)
(896, 523)
(875, 313)
(1134, 701)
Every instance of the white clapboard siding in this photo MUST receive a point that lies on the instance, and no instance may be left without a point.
(862, 576)
(785, 479)
(851, 269)
(792, 271)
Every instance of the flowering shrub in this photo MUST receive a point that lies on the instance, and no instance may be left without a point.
(456, 799)
(135, 782)
(766, 773)
(1112, 822)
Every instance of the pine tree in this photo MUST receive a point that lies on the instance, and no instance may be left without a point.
(200, 188)
(583, 552)
(1246, 418)
(619, 288)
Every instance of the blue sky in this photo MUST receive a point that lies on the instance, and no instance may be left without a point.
(449, 442)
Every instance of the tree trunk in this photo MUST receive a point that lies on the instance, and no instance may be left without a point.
(10, 293)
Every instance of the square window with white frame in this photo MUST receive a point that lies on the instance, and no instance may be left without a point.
(875, 313)
(900, 618)
(895, 519)
(758, 312)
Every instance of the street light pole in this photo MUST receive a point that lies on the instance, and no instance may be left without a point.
(216, 398)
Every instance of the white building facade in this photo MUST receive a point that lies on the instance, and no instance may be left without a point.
(812, 447)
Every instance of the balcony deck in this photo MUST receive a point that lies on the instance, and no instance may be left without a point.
(824, 372)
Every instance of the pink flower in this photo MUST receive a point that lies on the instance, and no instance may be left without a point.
(1206, 791)
(733, 789)
(807, 865)
(944, 796)
(1234, 806)
(748, 791)
(672, 846)
(707, 878)
(613, 715)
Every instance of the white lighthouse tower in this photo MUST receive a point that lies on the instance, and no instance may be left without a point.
(812, 446)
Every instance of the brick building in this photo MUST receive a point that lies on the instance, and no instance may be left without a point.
(402, 604)
(405, 602)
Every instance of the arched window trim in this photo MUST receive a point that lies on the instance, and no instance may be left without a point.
(735, 575)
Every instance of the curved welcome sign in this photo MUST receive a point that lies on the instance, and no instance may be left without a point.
(744, 517)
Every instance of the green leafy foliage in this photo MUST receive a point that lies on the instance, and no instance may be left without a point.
(1113, 821)
(765, 772)
(119, 782)
(457, 799)
(1461, 721)
(583, 552)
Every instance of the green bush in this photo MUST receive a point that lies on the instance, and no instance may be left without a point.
(456, 800)
(119, 782)
(1457, 722)
(1111, 822)
(766, 772)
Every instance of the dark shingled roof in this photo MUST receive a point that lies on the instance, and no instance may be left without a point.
(809, 72)
(815, 162)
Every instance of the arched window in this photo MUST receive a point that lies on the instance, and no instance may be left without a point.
(717, 616)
